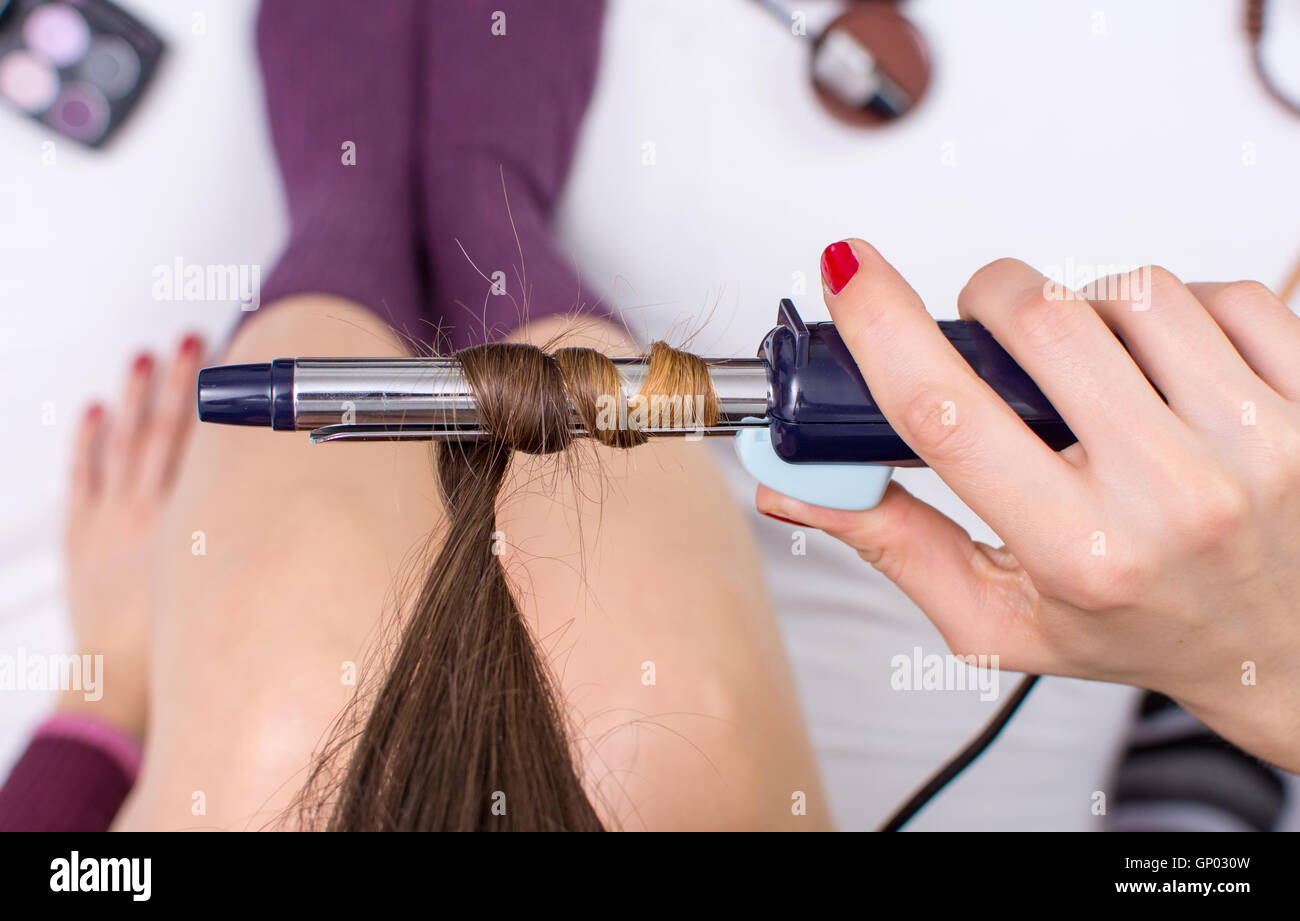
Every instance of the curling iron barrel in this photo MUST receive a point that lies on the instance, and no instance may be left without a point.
(804, 387)
(406, 398)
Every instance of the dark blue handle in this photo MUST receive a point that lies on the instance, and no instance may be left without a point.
(821, 410)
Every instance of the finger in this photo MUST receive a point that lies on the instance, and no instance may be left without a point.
(941, 408)
(1263, 329)
(122, 458)
(1061, 342)
(1178, 345)
(87, 457)
(172, 415)
(977, 601)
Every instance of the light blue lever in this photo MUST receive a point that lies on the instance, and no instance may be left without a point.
(852, 487)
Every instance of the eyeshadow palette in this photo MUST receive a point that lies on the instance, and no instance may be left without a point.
(78, 66)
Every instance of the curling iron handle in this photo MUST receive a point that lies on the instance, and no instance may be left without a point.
(821, 411)
(828, 443)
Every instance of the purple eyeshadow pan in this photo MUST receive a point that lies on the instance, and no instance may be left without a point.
(58, 32)
(81, 112)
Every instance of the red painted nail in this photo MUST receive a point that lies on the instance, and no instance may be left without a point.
(190, 344)
(143, 362)
(838, 266)
(786, 520)
(94, 412)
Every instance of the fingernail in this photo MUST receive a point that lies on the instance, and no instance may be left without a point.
(93, 412)
(838, 266)
(143, 362)
(786, 520)
(190, 344)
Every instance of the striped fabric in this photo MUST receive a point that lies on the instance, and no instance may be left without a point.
(1177, 775)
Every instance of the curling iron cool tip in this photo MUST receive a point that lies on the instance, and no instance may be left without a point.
(803, 419)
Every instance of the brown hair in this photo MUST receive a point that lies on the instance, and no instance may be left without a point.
(466, 717)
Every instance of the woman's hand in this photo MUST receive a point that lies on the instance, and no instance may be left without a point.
(1162, 550)
(124, 463)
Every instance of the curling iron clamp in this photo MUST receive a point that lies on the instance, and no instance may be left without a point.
(802, 418)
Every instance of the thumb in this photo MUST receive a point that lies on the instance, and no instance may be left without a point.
(979, 597)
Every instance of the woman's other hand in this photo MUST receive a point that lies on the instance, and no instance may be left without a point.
(123, 468)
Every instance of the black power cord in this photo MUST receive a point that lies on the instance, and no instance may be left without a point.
(963, 758)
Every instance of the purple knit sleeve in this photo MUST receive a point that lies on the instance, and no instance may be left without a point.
(342, 81)
(73, 776)
(509, 85)
(400, 129)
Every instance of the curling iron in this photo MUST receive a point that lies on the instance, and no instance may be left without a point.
(800, 413)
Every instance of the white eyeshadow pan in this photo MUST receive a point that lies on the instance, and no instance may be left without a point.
(28, 82)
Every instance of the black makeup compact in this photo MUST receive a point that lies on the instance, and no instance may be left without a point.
(77, 66)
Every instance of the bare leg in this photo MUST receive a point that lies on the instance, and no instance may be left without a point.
(642, 580)
(638, 576)
(274, 561)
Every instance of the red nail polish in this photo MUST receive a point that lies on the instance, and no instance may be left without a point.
(190, 344)
(838, 266)
(94, 412)
(786, 520)
(143, 362)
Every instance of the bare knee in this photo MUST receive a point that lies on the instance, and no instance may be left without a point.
(313, 324)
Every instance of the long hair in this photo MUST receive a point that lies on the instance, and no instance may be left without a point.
(466, 730)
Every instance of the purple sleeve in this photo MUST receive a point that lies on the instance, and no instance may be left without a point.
(73, 776)
(449, 106)
(502, 118)
(342, 86)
